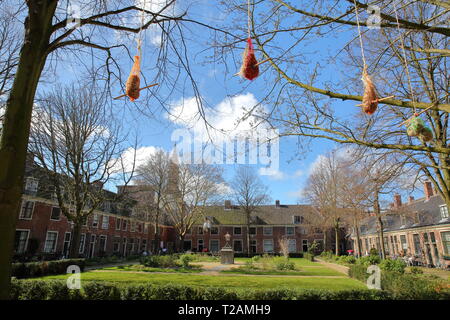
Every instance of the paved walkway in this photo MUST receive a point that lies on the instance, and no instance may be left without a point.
(334, 266)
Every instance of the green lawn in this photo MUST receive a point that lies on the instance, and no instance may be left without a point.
(311, 271)
(141, 268)
(235, 282)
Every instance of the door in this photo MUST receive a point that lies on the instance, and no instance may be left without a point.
(92, 246)
(66, 246)
(305, 245)
(187, 245)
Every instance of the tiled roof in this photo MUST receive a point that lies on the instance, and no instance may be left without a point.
(266, 214)
(428, 213)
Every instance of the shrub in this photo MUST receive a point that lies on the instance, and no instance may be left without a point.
(38, 269)
(373, 252)
(281, 263)
(368, 260)
(347, 259)
(185, 259)
(94, 290)
(416, 270)
(166, 261)
(393, 265)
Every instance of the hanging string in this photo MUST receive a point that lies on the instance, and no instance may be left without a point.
(405, 59)
(249, 22)
(360, 36)
(139, 40)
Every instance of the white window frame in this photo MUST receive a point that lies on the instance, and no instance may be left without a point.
(242, 245)
(124, 224)
(105, 226)
(26, 241)
(218, 245)
(218, 230)
(267, 228)
(288, 228)
(106, 241)
(198, 244)
(144, 244)
(51, 214)
(290, 241)
(133, 226)
(56, 241)
(237, 234)
(443, 210)
(118, 224)
(264, 245)
(256, 245)
(82, 243)
(31, 184)
(95, 220)
(253, 234)
(21, 216)
(307, 244)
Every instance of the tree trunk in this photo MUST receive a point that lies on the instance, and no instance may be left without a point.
(358, 240)
(248, 240)
(380, 225)
(325, 242)
(16, 128)
(336, 234)
(75, 243)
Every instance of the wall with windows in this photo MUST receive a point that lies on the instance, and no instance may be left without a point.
(42, 229)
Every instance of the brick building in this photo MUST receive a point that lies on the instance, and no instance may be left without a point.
(269, 224)
(418, 227)
(43, 230)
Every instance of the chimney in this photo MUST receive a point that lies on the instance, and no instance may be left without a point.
(411, 199)
(428, 190)
(397, 201)
(227, 204)
(277, 203)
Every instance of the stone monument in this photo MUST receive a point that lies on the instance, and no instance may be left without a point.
(227, 253)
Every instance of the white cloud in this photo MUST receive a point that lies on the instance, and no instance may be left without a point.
(299, 173)
(272, 174)
(128, 158)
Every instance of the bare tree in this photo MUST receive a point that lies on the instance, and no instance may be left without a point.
(311, 81)
(78, 144)
(191, 187)
(323, 191)
(154, 175)
(284, 246)
(248, 192)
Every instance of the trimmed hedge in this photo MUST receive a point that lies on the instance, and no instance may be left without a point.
(92, 290)
(406, 286)
(39, 269)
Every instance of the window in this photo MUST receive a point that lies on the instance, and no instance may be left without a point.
(200, 245)
(21, 241)
(252, 230)
(124, 225)
(31, 185)
(237, 245)
(444, 211)
(200, 230)
(102, 243)
(290, 231)
(66, 246)
(118, 223)
(267, 231)
(50, 241)
(27, 210)
(82, 242)
(298, 219)
(253, 246)
(95, 221)
(107, 206)
(144, 245)
(116, 244)
(292, 245)
(237, 230)
(105, 222)
(305, 245)
(214, 245)
(56, 214)
(214, 230)
(145, 228)
(404, 243)
(268, 245)
(132, 226)
(386, 245)
(445, 236)
(417, 248)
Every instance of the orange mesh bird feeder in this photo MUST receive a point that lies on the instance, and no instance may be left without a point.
(249, 69)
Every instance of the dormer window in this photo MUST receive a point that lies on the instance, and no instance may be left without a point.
(297, 219)
(444, 211)
(31, 184)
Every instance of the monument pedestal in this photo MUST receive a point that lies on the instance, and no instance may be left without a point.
(227, 256)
